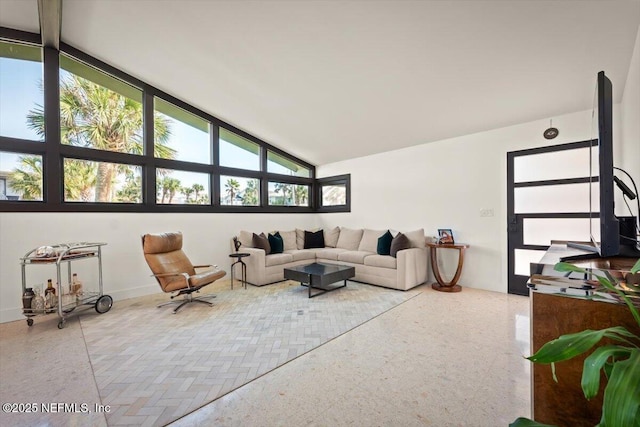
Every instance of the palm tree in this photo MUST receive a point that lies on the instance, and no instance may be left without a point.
(132, 190)
(301, 195)
(187, 192)
(172, 185)
(27, 178)
(251, 193)
(79, 180)
(96, 117)
(197, 189)
(232, 187)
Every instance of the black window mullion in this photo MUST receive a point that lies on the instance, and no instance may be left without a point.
(53, 184)
(149, 169)
(214, 178)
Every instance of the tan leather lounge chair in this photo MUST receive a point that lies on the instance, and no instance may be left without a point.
(173, 270)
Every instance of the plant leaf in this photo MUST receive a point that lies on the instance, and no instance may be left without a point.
(636, 266)
(526, 422)
(568, 346)
(565, 267)
(622, 396)
(596, 361)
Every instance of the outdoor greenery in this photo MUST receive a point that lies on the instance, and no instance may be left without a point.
(620, 362)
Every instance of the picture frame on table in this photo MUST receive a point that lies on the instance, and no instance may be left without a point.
(445, 236)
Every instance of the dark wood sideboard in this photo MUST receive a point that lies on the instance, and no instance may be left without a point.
(559, 306)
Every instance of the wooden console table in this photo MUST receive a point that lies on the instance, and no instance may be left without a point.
(562, 305)
(442, 285)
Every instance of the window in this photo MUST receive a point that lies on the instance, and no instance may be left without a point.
(108, 157)
(182, 188)
(102, 182)
(21, 95)
(282, 165)
(237, 191)
(180, 135)
(334, 194)
(22, 176)
(97, 110)
(283, 194)
(238, 152)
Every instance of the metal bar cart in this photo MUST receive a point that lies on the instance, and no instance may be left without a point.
(68, 299)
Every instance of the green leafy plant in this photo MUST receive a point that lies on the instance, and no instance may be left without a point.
(620, 362)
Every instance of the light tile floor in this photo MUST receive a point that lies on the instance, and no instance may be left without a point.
(437, 359)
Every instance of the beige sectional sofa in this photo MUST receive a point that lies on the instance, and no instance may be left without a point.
(346, 246)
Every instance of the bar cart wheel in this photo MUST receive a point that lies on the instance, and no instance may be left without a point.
(61, 324)
(30, 321)
(104, 304)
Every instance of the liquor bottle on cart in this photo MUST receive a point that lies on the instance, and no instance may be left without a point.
(50, 295)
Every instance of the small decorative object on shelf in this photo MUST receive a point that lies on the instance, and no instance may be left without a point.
(236, 243)
(50, 295)
(37, 303)
(27, 297)
(445, 236)
(76, 285)
(45, 252)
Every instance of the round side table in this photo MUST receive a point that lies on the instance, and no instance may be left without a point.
(442, 285)
(237, 256)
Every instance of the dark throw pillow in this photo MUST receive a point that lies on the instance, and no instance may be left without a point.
(313, 239)
(384, 243)
(399, 243)
(276, 243)
(261, 242)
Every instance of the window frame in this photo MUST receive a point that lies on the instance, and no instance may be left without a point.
(54, 152)
(333, 180)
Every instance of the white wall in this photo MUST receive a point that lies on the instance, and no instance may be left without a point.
(125, 273)
(444, 184)
(630, 156)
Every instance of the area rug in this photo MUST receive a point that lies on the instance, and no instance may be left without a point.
(152, 367)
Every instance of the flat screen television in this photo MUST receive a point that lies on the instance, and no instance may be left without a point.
(601, 181)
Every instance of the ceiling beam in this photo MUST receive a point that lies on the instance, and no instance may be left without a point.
(50, 12)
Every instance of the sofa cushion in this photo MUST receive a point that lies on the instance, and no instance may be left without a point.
(276, 243)
(384, 244)
(260, 241)
(329, 253)
(289, 240)
(416, 238)
(384, 261)
(299, 238)
(349, 239)
(246, 238)
(399, 243)
(369, 241)
(356, 257)
(313, 239)
(277, 259)
(302, 254)
(331, 237)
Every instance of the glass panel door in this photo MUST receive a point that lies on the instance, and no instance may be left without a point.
(546, 192)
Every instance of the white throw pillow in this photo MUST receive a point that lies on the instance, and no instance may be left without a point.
(289, 240)
(331, 237)
(416, 238)
(349, 239)
(369, 240)
(299, 238)
(246, 238)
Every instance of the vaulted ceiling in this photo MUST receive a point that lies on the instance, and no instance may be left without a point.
(333, 80)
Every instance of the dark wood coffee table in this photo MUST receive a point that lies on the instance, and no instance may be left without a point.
(318, 276)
